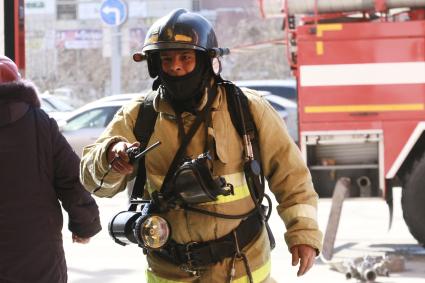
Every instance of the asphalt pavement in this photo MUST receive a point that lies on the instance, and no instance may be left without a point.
(363, 230)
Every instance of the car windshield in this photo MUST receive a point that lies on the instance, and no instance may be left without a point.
(60, 105)
(46, 106)
(93, 118)
(54, 104)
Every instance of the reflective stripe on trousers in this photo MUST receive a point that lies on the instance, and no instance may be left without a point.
(259, 275)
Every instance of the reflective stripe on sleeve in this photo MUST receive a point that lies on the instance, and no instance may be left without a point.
(258, 275)
(299, 210)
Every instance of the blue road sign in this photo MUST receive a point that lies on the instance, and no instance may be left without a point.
(113, 12)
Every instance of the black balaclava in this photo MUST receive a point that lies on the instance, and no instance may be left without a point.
(185, 92)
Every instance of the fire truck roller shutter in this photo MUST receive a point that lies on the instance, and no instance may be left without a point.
(330, 6)
(412, 204)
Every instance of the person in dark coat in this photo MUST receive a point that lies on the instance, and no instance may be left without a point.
(38, 173)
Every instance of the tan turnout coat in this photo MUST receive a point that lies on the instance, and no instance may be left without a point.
(288, 178)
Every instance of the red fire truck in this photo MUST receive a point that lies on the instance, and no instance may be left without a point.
(360, 69)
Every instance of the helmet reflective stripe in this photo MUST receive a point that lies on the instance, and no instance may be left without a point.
(180, 29)
(168, 45)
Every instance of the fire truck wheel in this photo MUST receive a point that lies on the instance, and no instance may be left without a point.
(413, 199)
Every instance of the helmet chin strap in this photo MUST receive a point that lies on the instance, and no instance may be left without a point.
(156, 83)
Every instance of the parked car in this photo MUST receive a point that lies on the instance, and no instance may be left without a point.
(55, 106)
(284, 88)
(124, 96)
(83, 126)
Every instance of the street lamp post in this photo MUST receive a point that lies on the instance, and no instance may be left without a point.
(114, 13)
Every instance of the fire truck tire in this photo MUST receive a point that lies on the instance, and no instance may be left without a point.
(413, 200)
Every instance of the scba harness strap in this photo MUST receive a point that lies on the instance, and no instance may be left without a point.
(143, 129)
(145, 124)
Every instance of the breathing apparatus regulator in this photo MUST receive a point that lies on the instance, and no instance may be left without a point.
(194, 183)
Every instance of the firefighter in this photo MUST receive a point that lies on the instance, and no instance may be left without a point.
(181, 50)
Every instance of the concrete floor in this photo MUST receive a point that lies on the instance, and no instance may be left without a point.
(362, 231)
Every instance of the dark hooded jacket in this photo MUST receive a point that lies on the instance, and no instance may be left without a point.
(38, 171)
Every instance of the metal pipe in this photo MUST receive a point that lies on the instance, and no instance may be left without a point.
(334, 6)
(368, 275)
(405, 3)
(365, 186)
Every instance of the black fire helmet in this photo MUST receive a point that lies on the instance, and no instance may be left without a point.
(179, 29)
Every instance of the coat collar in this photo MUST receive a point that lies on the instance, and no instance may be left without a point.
(15, 99)
(162, 104)
(19, 91)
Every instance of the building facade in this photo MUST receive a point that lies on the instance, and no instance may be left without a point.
(68, 45)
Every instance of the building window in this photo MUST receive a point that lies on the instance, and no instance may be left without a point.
(196, 5)
(66, 10)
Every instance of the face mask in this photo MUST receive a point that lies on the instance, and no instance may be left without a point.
(187, 87)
